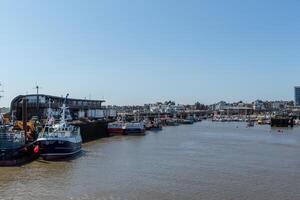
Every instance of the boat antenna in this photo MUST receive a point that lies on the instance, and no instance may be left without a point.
(66, 98)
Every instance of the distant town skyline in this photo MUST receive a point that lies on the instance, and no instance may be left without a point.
(137, 52)
(166, 100)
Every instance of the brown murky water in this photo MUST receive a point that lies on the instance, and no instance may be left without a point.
(202, 161)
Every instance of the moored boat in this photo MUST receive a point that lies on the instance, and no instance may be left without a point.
(187, 121)
(282, 121)
(14, 150)
(260, 122)
(156, 125)
(15, 146)
(116, 128)
(59, 140)
(172, 122)
(134, 128)
(148, 124)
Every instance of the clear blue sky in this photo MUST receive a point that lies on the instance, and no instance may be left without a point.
(138, 51)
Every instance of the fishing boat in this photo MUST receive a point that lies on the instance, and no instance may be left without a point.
(148, 124)
(187, 121)
(156, 125)
(15, 148)
(134, 128)
(12, 145)
(172, 122)
(59, 140)
(115, 128)
(191, 118)
(153, 125)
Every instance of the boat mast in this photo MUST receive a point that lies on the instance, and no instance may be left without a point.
(49, 113)
(63, 115)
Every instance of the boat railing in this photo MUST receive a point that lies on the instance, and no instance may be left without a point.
(11, 140)
(59, 133)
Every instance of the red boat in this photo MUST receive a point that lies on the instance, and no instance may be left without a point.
(116, 128)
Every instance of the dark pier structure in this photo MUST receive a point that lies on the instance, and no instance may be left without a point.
(92, 130)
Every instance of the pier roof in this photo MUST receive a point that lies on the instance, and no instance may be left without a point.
(55, 97)
(44, 97)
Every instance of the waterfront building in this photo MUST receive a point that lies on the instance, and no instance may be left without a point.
(237, 110)
(221, 105)
(297, 96)
(278, 105)
(179, 108)
(27, 106)
(166, 107)
(259, 105)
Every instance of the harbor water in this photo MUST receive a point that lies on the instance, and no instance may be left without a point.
(205, 160)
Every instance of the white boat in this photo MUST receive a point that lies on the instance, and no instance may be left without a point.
(297, 121)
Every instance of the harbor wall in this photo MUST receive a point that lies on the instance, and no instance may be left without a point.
(92, 130)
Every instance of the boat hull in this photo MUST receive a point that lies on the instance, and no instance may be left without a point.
(156, 129)
(19, 156)
(134, 131)
(115, 131)
(58, 149)
(172, 123)
(188, 122)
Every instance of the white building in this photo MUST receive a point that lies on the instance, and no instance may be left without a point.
(258, 105)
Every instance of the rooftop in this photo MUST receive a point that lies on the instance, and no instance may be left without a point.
(56, 97)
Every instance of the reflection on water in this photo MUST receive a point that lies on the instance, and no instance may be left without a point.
(202, 161)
